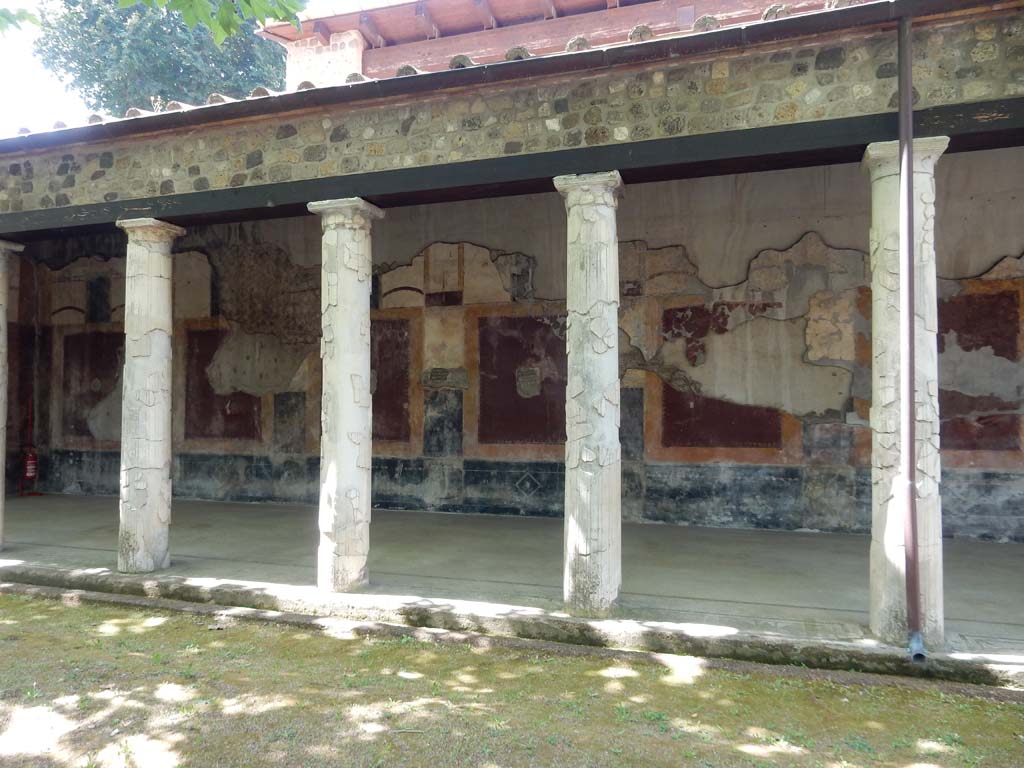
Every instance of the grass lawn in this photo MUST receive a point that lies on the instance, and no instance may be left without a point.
(109, 686)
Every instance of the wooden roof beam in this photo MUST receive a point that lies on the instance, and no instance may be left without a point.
(321, 32)
(368, 29)
(426, 21)
(486, 14)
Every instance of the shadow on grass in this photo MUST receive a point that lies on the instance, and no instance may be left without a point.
(103, 686)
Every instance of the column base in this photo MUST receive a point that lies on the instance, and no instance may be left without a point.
(334, 574)
(588, 610)
(887, 599)
(135, 566)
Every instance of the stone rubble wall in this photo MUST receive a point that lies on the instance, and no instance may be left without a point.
(958, 62)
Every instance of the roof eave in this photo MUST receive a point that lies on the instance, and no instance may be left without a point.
(727, 38)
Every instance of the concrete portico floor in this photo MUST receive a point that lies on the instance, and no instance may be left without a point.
(795, 584)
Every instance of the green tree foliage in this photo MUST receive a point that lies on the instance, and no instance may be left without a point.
(14, 18)
(142, 56)
(223, 18)
(227, 17)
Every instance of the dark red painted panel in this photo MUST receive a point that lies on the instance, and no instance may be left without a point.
(391, 359)
(982, 320)
(689, 420)
(207, 414)
(976, 424)
(531, 349)
(981, 433)
(92, 365)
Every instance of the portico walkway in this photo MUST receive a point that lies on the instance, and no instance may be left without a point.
(795, 584)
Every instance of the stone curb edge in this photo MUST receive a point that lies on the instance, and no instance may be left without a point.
(505, 626)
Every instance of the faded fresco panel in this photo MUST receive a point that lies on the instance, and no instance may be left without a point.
(985, 325)
(390, 359)
(523, 371)
(235, 416)
(92, 367)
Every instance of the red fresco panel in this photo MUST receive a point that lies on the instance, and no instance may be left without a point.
(390, 358)
(689, 420)
(92, 365)
(522, 380)
(980, 320)
(207, 414)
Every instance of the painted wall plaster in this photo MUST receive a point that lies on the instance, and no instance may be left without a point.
(762, 363)
(784, 277)
(724, 219)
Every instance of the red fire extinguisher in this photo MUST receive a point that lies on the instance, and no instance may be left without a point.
(30, 461)
(30, 469)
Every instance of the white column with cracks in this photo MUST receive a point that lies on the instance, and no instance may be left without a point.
(145, 506)
(888, 603)
(593, 455)
(8, 253)
(345, 442)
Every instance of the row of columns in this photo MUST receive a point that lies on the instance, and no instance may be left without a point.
(593, 469)
(592, 573)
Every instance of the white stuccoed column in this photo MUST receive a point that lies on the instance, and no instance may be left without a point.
(8, 253)
(593, 455)
(143, 541)
(345, 441)
(888, 604)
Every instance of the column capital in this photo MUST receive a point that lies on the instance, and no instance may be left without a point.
(603, 188)
(147, 230)
(882, 158)
(6, 246)
(348, 212)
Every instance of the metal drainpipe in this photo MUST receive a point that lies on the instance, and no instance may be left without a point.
(907, 331)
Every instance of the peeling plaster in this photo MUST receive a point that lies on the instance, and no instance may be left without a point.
(276, 297)
(1009, 268)
(479, 274)
(785, 280)
(810, 279)
(1005, 268)
(256, 364)
(762, 363)
(980, 372)
(104, 418)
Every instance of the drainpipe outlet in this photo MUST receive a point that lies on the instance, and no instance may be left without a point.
(916, 649)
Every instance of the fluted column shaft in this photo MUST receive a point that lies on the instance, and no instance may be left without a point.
(8, 253)
(346, 406)
(888, 603)
(593, 456)
(145, 504)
